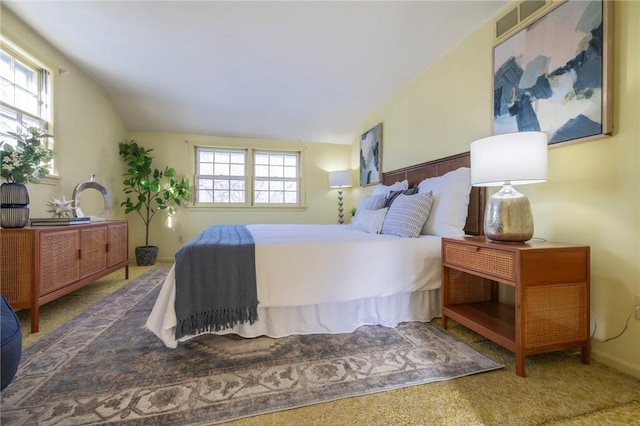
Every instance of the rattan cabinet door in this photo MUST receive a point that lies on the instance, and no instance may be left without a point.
(118, 243)
(93, 250)
(59, 263)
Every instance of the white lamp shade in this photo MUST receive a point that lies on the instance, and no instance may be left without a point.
(515, 158)
(340, 179)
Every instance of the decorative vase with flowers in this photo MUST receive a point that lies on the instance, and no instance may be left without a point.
(27, 162)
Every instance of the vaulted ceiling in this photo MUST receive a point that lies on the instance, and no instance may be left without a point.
(292, 70)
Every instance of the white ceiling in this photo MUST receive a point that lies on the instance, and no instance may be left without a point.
(296, 70)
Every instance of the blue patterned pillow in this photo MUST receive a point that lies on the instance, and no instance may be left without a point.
(372, 202)
(407, 215)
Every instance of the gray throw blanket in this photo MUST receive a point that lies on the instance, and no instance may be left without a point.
(216, 281)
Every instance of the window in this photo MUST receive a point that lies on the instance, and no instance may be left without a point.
(275, 178)
(247, 177)
(25, 98)
(220, 176)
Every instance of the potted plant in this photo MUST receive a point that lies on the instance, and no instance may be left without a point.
(148, 190)
(27, 162)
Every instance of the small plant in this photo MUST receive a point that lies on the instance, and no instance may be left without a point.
(29, 161)
(353, 212)
(149, 189)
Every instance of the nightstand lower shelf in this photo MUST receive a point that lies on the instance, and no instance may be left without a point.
(495, 321)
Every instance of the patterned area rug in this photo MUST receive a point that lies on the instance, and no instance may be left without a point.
(103, 367)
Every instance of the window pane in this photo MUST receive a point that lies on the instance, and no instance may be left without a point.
(237, 196)
(262, 159)
(8, 121)
(237, 157)
(276, 160)
(261, 197)
(237, 170)
(206, 169)
(276, 197)
(205, 156)
(261, 185)
(222, 157)
(291, 160)
(26, 77)
(6, 91)
(221, 169)
(204, 183)
(290, 172)
(262, 171)
(6, 62)
(291, 186)
(26, 101)
(290, 197)
(205, 196)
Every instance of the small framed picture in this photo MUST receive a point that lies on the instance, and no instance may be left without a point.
(371, 156)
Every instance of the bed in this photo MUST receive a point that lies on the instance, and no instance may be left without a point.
(335, 278)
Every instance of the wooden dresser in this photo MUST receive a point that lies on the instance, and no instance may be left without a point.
(551, 282)
(40, 264)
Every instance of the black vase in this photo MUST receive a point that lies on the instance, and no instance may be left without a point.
(14, 199)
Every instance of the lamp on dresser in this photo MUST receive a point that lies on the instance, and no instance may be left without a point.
(507, 160)
(340, 179)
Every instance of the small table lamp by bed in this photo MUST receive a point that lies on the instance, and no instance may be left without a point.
(340, 179)
(507, 160)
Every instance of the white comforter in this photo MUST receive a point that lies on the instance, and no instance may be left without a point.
(302, 265)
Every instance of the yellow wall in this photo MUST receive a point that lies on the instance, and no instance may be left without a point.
(593, 193)
(86, 125)
(173, 150)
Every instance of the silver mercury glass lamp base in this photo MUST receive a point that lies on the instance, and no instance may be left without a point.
(508, 217)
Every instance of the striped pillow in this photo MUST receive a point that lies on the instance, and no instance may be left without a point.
(372, 202)
(407, 215)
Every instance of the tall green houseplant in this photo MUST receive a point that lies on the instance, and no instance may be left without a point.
(149, 190)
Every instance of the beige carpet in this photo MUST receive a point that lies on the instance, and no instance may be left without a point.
(558, 389)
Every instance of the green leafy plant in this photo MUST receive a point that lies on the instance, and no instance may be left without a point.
(353, 212)
(28, 161)
(149, 189)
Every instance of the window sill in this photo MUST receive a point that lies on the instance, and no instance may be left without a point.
(50, 180)
(202, 207)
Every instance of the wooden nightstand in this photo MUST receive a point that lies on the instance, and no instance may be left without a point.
(551, 282)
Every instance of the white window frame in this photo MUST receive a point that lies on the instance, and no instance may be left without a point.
(43, 117)
(270, 179)
(249, 178)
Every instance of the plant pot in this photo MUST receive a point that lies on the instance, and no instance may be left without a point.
(14, 199)
(146, 255)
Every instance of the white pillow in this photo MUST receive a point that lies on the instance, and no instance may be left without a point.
(450, 203)
(407, 214)
(369, 220)
(386, 189)
(371, 202)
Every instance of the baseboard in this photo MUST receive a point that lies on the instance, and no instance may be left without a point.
(623, 366)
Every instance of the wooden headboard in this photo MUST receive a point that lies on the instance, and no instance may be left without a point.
(417, 173)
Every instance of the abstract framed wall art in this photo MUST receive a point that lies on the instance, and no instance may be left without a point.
(371, 156)
(555, 75)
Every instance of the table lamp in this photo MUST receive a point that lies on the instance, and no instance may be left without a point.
(507, 160)
(340, 179)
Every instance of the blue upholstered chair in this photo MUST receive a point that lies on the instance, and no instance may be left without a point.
(11, 350)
